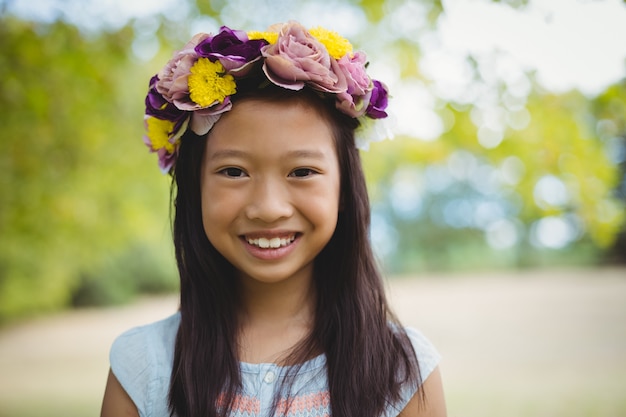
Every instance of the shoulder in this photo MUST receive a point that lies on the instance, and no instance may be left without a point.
(141, 360)
(136, 343)
(427, 355)
(428, 359)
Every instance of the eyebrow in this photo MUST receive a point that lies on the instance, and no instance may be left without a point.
(228, 153)
(300, 153)
(305, 153)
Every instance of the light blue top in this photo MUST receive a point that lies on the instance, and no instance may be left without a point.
(141, 360)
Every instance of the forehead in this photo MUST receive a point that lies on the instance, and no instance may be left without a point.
(272, 128)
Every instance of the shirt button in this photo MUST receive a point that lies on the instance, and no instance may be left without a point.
(269, 377)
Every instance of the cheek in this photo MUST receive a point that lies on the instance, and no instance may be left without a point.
(322, 206)
(215, 211)
(208, 217)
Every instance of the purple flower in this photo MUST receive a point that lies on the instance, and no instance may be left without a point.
(166, 160)
(378, 101)
(233, 49)
(172, 82)
(158, 106)
(298, 58)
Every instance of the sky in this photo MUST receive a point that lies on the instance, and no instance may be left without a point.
(573, 44)
(569, 43)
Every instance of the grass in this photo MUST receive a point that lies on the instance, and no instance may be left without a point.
(538, 343)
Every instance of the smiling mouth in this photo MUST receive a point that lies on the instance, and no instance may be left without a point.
(271, 243)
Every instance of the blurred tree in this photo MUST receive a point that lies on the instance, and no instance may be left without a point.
(518, 176)
(609, 114)
(75, 181)
(537, 182)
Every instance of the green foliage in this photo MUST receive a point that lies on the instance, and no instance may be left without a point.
(561, 142)
(76, 179)
(136, 270)
(609, 113)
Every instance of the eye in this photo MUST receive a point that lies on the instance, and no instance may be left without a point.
(302, 172)
(232, 172)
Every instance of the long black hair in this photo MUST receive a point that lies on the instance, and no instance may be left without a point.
(368, 355)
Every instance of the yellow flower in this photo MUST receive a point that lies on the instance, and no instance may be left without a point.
(271, 37)
(208, 83)
(336, 45)
(158, 131)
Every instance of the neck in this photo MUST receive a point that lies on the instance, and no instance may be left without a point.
(283, 301)
(274, 318)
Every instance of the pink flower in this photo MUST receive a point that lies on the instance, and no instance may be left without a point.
(172, 82)
(359, 82)
(203, 120)
(298, 58)
(354, 100)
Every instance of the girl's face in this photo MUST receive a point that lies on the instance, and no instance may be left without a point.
(270, 189)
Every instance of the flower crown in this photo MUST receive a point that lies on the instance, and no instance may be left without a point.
(196, 85)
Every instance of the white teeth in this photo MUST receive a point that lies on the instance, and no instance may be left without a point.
(273, 243)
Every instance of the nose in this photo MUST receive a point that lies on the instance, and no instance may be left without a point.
(269, 201)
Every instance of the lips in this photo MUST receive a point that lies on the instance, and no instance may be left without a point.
(270, 245)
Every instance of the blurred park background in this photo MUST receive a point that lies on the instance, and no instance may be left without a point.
(509, 152)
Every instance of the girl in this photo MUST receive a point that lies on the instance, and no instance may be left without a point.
(282, 308)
